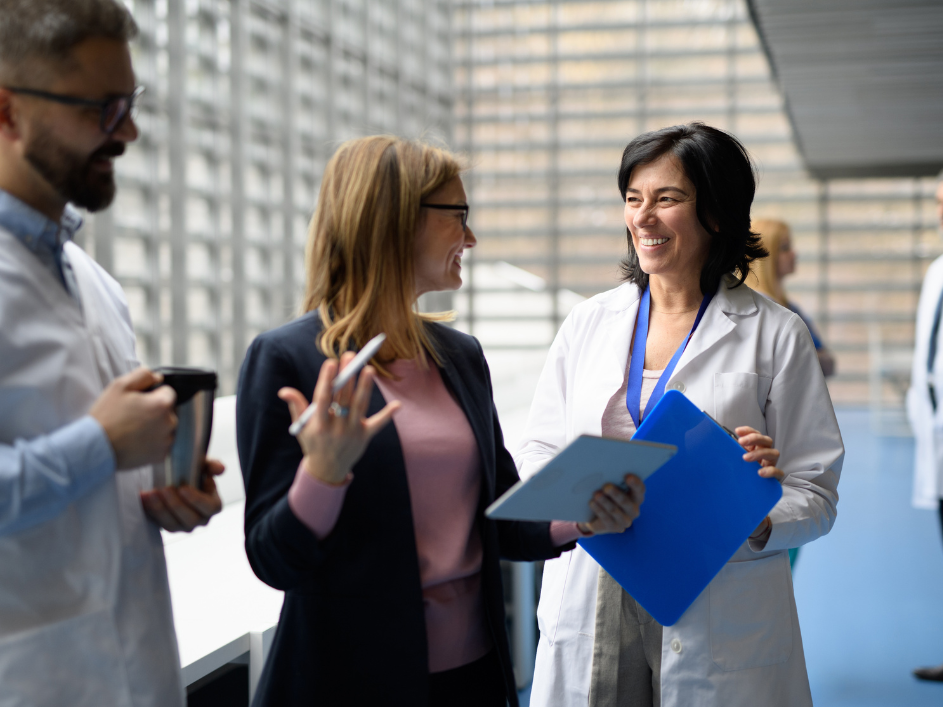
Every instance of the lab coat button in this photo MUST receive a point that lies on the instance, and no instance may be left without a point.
(679, 386)
(675, 645)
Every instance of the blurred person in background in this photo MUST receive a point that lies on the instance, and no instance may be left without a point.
(766, 276)
(85, 611)
(749, 363)
(924, 403)
(377, 532)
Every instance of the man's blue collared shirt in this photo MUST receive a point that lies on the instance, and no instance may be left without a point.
(43, 236)
(40, 477)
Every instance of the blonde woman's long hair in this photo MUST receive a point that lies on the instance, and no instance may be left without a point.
(764, 273)
(359, 255)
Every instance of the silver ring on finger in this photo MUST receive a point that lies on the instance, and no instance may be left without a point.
(339, 410)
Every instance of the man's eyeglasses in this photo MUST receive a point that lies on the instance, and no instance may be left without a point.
(450, 207)
(113, 110)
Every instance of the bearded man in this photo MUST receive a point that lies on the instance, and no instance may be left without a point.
(85, 612)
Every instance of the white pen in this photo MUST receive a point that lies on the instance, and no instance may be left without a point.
(352, 369)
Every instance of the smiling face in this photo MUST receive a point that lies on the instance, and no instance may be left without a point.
(65, 145)
(441, 241)
(661, 215)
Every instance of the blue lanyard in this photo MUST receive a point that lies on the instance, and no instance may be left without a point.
(633, 394)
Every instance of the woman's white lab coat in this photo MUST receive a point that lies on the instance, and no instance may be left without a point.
(85, 613)
(926, 424)
(750, 362)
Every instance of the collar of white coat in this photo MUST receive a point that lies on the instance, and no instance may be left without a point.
(729, 300)
(721, 318)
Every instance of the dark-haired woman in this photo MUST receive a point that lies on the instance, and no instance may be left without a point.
(742, 358)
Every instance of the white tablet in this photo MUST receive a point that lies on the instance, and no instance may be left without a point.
(563, 488)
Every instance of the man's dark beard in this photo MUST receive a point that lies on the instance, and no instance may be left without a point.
(72, 175)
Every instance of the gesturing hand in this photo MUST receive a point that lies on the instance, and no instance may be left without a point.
(615, 508)
(337, 435)
(759, 448)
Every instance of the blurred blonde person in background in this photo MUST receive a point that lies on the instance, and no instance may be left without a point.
(766, 276)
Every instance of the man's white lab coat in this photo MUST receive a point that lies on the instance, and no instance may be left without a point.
(85, 613)
(750, 362)
(927, 426)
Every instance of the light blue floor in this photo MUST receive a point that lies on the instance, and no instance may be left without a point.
(870, 594)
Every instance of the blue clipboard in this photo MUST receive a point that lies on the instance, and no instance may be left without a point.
(699, 509)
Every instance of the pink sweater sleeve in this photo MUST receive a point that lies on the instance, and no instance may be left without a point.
(315, 503)
(564, 531)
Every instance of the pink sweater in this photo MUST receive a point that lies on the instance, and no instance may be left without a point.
(443, 470)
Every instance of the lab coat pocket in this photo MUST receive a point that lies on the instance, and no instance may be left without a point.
(740, 399)
(751, 614)
(551, 595)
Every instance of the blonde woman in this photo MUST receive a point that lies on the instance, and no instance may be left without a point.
(376, 532)
(767, 275)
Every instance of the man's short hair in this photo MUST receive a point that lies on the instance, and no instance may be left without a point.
(35, 33)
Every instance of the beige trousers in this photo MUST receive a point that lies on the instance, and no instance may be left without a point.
(626, 650)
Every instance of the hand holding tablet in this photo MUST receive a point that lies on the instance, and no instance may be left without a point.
(563, 489)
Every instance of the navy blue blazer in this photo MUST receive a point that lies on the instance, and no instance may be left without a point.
(352, 628)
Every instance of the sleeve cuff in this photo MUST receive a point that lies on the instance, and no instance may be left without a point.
(43, 475)
(782, 529)
(316, 504)
(564, 532)
(759, 543)
(86, 450)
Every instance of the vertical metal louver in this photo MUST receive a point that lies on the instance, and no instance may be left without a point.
(246, 101)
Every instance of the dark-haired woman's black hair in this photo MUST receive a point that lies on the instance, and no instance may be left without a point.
(724, 180)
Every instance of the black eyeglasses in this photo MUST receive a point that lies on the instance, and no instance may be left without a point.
(113, 110)
(450, 207)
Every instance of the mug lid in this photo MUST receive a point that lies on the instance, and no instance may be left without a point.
(187, 381)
